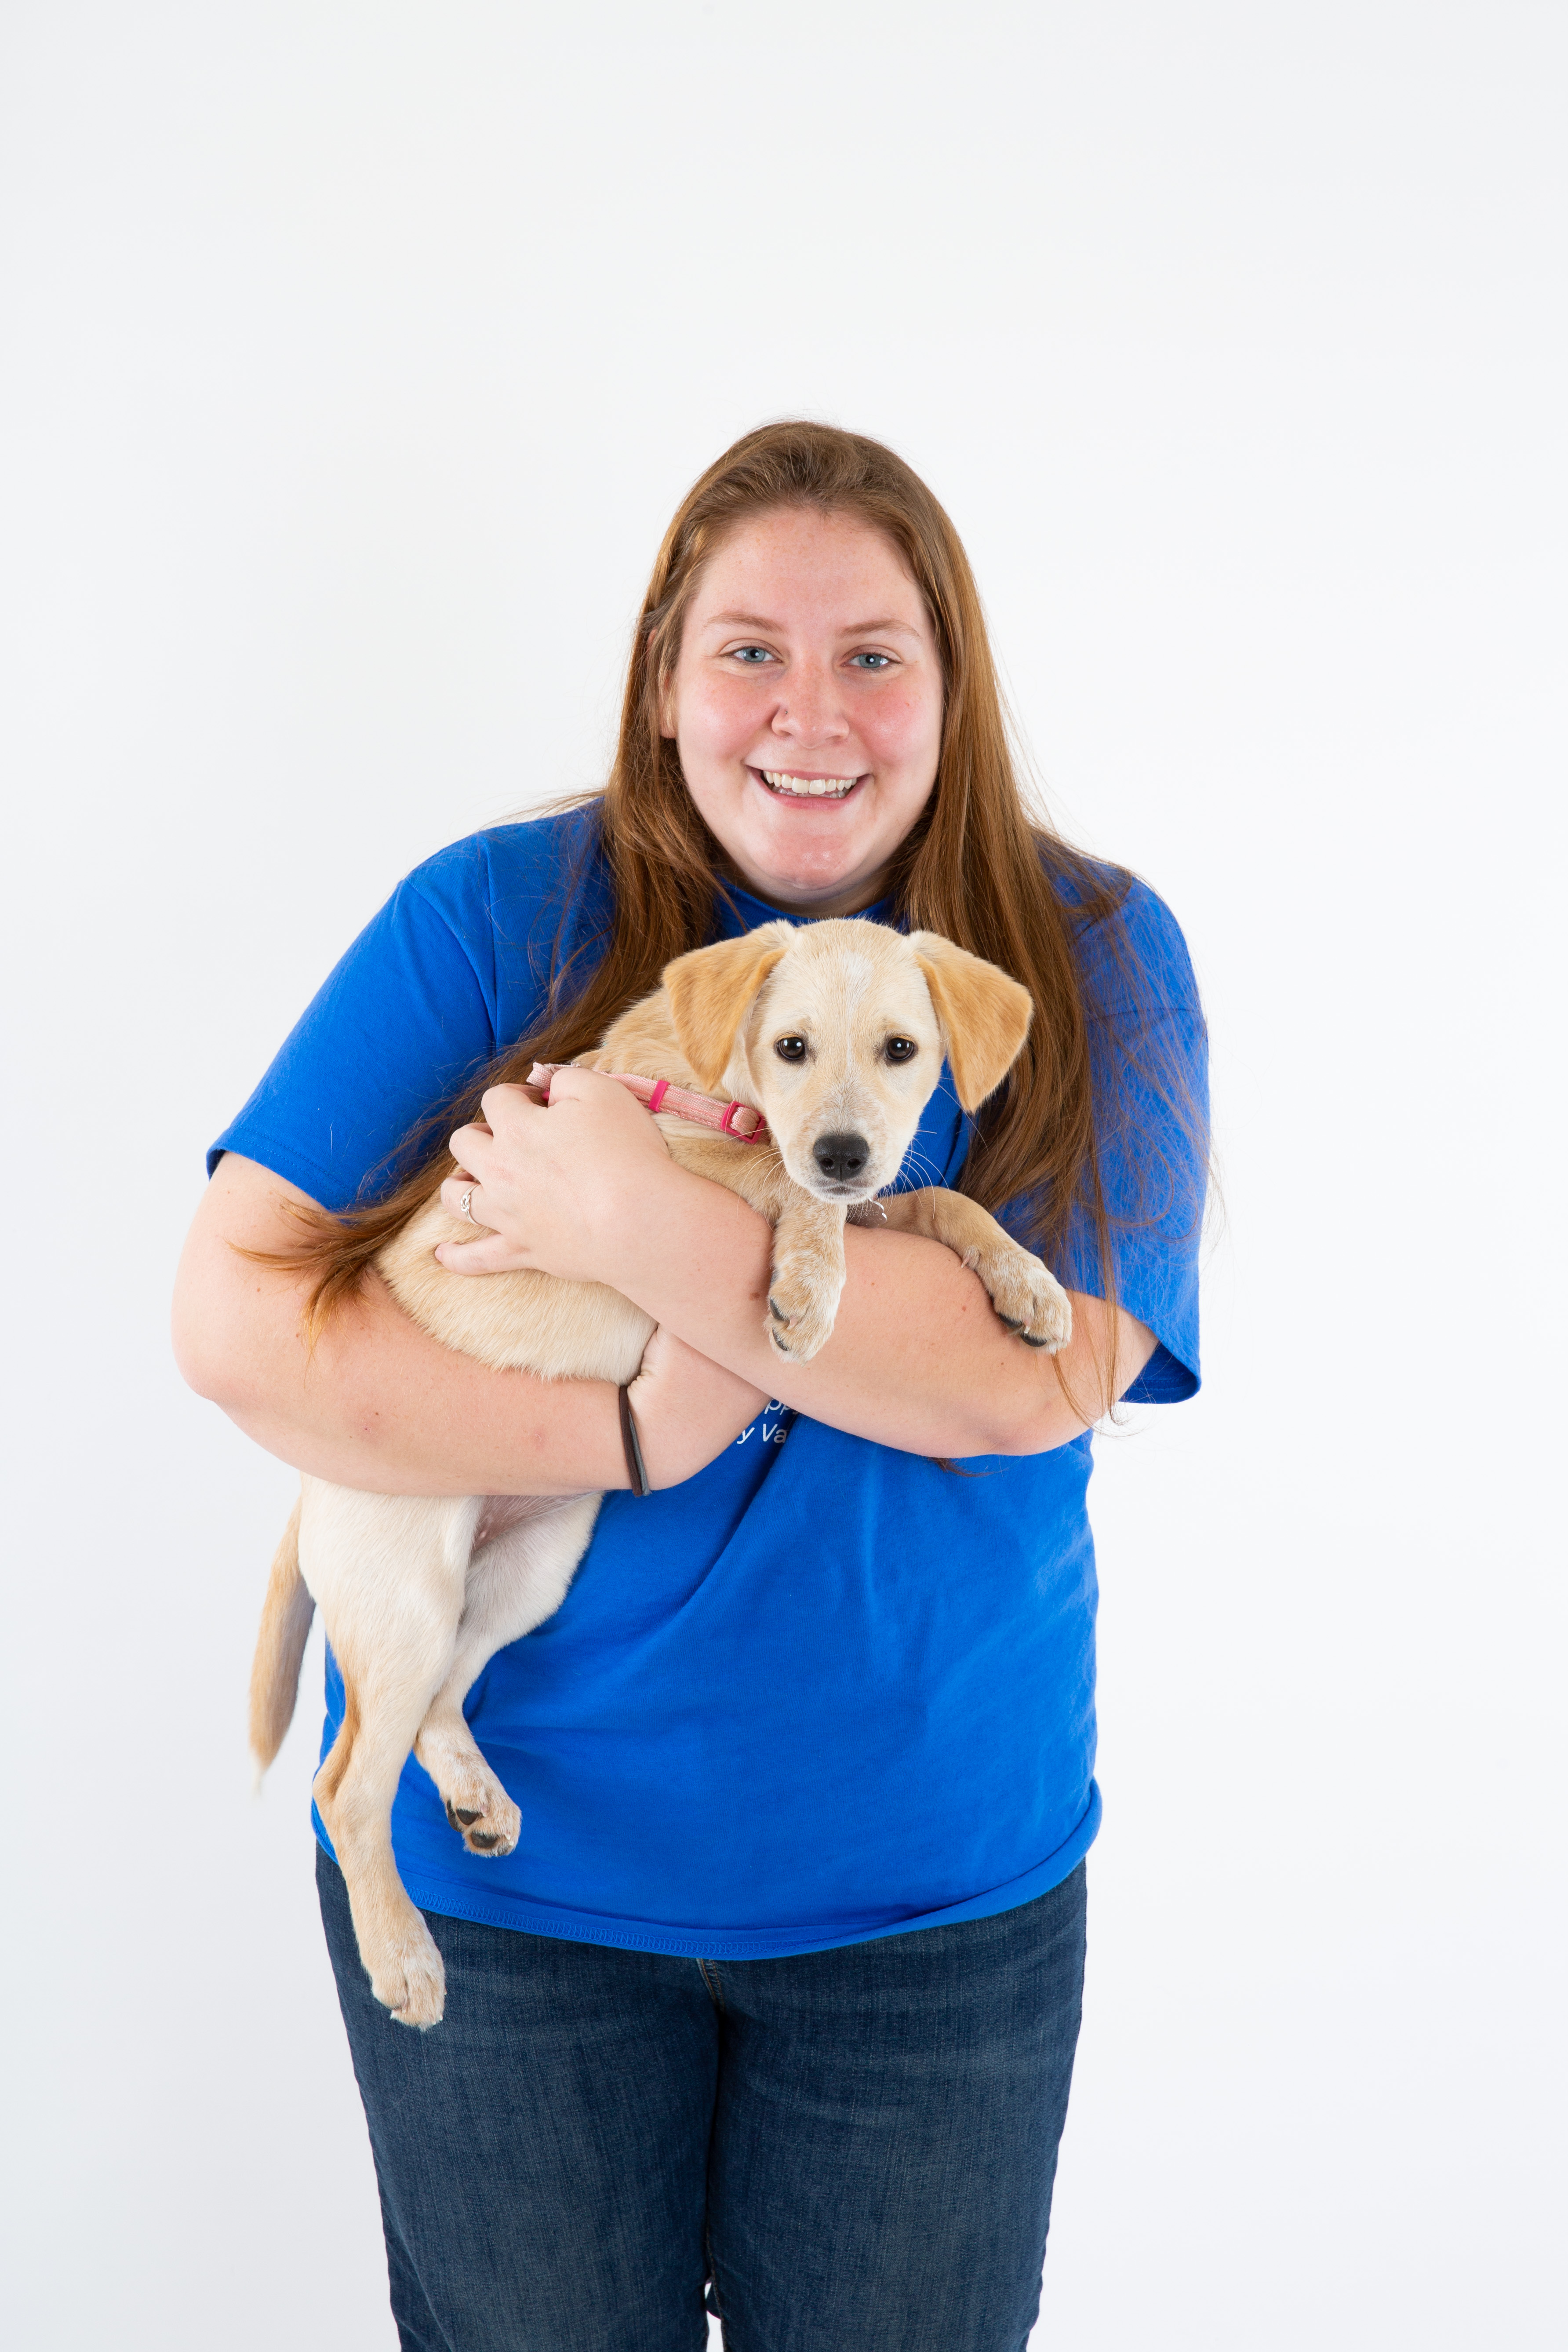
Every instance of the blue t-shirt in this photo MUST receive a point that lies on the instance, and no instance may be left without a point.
(823, 1691)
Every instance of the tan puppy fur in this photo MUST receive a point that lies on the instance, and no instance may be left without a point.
(836, 1032)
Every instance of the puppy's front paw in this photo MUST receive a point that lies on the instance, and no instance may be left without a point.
(1026, 1296)
(802, 1308)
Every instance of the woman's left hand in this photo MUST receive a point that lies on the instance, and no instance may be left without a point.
(554, 1187)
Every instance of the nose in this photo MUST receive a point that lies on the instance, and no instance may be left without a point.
(841, 1157)
(810, 708)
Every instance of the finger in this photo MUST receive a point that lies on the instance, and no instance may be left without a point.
(487, 1255)
(572, 1085)
(455, 1200)
(472, 1148)
(609, 1101)
(508, 1102)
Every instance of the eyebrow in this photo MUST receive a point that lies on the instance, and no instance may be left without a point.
(885, 627)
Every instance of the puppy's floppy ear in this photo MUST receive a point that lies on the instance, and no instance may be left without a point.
(712, 990)
(984, 1016)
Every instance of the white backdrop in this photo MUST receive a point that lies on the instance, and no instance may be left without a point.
(354, 356)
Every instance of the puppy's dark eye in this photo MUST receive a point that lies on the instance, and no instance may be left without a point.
(790, 1049)
(900, 1049)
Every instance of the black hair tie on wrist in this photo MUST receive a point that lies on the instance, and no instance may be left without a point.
(636, 1469)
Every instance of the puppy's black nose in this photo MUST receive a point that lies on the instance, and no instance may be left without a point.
(841, 1158)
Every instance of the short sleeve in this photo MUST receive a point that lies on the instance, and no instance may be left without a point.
(458, 967)
(1149, 1062)
(398, 1028)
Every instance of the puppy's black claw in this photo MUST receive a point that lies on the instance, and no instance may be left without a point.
(1012, 1322)
(1030, 1342)
(776, 1311)
(483, 1841)
(468, 1819)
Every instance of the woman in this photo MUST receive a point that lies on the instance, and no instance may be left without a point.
(780, 1989)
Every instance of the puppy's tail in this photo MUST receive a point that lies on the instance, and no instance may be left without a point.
(286, 1615)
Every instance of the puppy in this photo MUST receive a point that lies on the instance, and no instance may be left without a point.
(836, 1032)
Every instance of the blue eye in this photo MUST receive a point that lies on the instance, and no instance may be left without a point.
(882, 661)
(752, 655)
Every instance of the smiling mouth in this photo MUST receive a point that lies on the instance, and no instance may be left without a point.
(788, 787)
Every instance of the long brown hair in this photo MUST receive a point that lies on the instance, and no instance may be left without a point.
(978, 866)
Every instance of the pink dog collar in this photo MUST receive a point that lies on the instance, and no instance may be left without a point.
(735, 1120)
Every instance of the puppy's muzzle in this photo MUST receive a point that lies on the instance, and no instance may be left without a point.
(841, 1158)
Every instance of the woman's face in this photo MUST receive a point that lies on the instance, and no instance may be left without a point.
(806, 706)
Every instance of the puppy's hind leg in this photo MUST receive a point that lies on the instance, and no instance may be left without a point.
(387, 1572)
(514, 1583)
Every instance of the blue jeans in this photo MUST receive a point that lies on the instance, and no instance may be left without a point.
(856, 2147)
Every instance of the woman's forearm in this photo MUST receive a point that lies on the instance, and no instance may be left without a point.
(384, 1407)
(381, 1405)
(917, 1359)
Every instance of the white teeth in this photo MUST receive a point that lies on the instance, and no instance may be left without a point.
(815, 788)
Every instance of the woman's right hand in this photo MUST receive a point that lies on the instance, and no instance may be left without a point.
(688, 1409)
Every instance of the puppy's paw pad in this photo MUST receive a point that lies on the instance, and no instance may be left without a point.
(487, 1822)
(485, 1819)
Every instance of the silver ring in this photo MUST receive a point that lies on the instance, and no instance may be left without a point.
(466, 1206)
